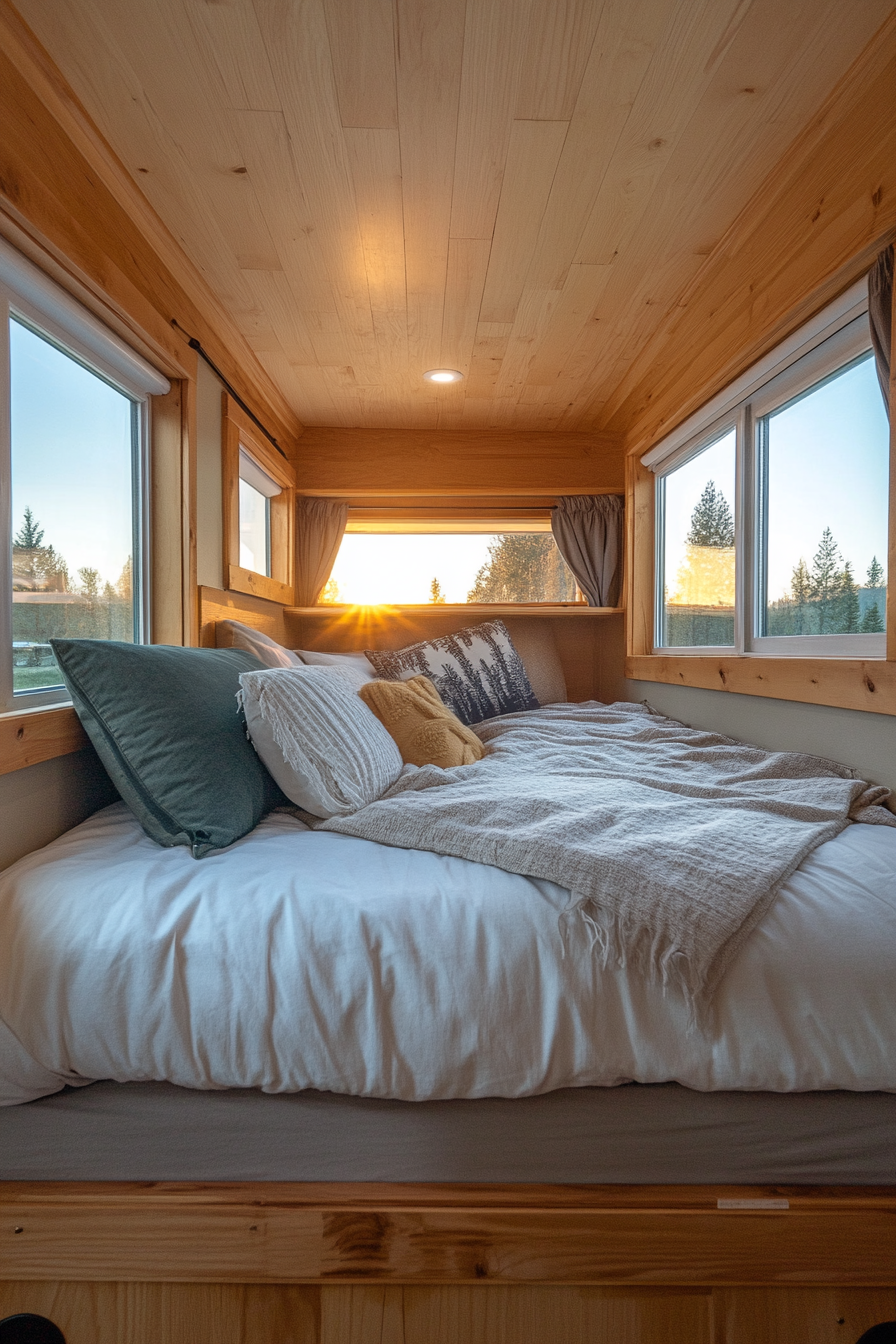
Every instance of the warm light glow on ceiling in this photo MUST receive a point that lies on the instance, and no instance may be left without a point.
(443, 375)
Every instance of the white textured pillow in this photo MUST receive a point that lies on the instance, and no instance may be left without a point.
(235, 635)
(357, 667)
(323, 746)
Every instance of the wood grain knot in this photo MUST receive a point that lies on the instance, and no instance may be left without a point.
(20, 733)
(868, 682)
(359, 1238)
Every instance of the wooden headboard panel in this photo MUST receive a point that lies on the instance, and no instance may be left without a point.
(216, 605)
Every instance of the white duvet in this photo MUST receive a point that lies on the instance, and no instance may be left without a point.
(298, 959)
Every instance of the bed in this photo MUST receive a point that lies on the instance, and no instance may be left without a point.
(431, 1032)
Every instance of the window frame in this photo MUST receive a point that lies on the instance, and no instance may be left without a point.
(845, 345)
(42, 306)
(846, 683)
(239, 432)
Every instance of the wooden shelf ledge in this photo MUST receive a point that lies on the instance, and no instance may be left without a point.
(457, 609)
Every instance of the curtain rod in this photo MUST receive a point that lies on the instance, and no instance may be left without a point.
(195, 345)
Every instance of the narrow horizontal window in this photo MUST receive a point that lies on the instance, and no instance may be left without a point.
(407, 568)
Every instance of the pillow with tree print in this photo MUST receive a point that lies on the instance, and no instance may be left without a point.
(477, 672)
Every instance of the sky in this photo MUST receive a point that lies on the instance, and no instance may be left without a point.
(71, 456)
(828, 467)
(373, 568)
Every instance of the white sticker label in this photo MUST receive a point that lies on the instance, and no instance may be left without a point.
(753, 1203)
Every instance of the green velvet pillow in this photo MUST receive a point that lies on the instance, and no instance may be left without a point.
(166, 725)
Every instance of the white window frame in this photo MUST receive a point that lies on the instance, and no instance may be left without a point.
(834, 339)
(30, 296)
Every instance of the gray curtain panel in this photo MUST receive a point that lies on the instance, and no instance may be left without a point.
(880, 317)
(320, 527)
(588, 533)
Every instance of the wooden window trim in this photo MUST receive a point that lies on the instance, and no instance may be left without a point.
(238, 430)
(842, 683)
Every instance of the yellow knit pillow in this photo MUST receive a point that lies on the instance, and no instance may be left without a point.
(425, 730)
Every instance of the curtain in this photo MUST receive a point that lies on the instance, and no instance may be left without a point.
(880, 317)
(320, 526)
(588, 533)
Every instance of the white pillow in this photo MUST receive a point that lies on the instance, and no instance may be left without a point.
(328, 752)
(265, 649)
(357, 667)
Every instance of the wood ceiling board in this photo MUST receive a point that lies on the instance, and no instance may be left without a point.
(624, 45)
(489, 349)
(467, 265)
(667, 98)
(265, 150)
(495, 38)
(573, 311)
(362, 47)
(430, 51)
(375, 163)
(277, 302)
(228, 30)
(536, 307)
(561, 33)
(298, 48)
(532, 157)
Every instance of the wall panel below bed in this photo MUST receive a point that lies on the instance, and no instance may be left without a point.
(146, 1313)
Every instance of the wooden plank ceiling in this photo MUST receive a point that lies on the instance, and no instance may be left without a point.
(518, 189)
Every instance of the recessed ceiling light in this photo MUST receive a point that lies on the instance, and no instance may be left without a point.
(443, 375)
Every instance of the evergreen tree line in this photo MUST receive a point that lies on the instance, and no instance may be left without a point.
(826, 600)
(823, 600)
(104, 609)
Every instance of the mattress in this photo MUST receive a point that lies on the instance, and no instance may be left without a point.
(298, 960)
(662, 1134)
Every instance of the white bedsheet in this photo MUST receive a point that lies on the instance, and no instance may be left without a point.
(299, 959)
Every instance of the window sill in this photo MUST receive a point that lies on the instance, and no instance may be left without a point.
(843, 683)
(32, 735)
(469, 609)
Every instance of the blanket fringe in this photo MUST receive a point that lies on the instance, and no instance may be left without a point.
(641, 949)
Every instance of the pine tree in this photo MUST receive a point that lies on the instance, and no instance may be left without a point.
(523, 567)
(125, 581)
(848, 615)
(711, 521)
(871, 621)
(30, 536)
(875, 577)
(435, 592)
(800, 594)
(90, 582)
(825, 582)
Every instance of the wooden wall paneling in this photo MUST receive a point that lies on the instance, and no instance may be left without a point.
(816, 224)
(891, 565)
(759, 100)
(170, 565)
(640, 503)
(800, 1315)
(356, 462)
(260, 613)
(29, 736)
(166, 1313)
(67, 188)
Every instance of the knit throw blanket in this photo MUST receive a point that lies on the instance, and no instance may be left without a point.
(672, 841)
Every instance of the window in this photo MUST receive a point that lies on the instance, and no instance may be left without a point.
(258, 510)
(772, 521)
(445, 560)
(75, 412)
